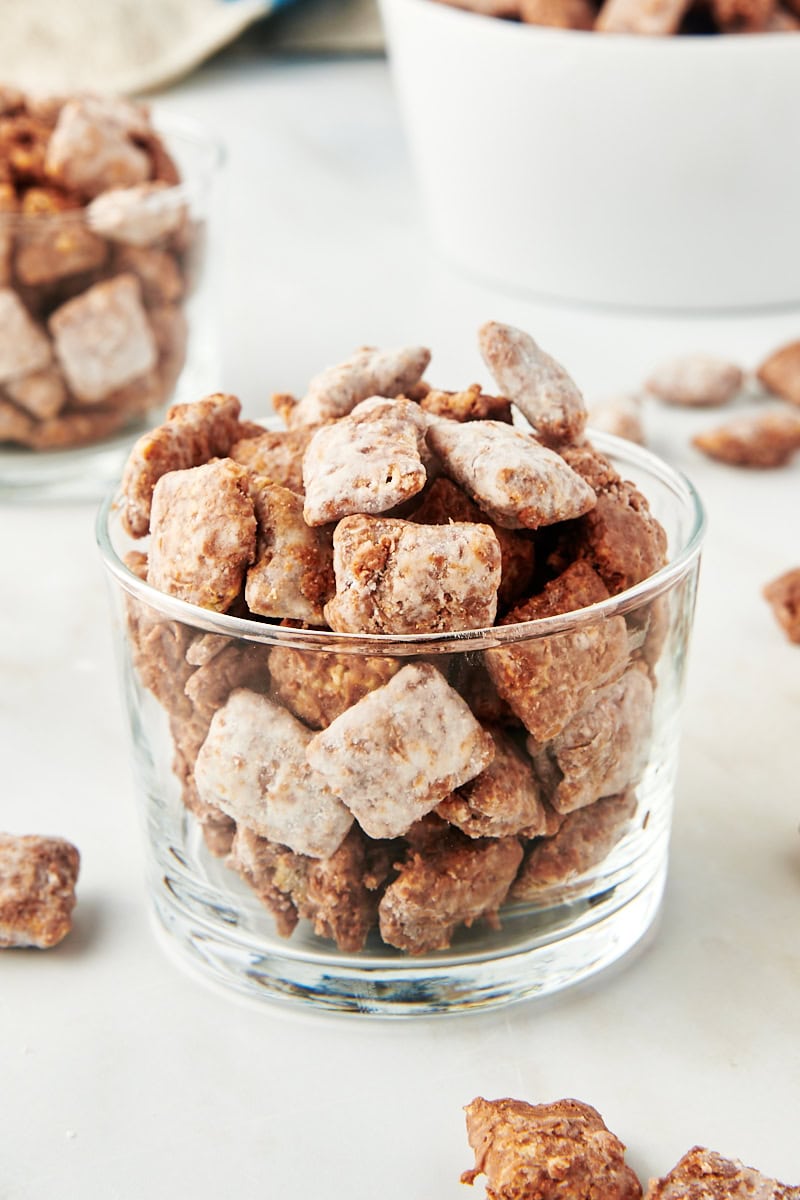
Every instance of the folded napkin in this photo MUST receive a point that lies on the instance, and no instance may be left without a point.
(133, 46)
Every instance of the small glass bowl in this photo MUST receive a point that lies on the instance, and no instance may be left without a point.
(577, 904)
(52, 449)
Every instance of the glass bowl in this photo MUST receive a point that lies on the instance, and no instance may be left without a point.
(512, 917)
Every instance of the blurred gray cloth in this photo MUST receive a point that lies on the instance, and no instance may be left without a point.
(131, 46)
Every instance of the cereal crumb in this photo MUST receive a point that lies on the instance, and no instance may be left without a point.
(783, 595)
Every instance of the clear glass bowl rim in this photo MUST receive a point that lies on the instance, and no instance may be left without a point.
(177, 128)
(461, 641)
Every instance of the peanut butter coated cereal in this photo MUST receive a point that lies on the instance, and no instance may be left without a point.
(98, 255)
(351, 779)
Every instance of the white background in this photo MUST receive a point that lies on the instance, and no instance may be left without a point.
(122, 1077)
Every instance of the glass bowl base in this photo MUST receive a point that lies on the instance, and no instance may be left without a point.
(585, 938)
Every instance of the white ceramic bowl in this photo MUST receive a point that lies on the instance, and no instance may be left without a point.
(613, 169)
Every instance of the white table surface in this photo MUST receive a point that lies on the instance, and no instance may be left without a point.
(122, 1077)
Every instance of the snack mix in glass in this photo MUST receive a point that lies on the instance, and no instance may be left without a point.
(403, 679)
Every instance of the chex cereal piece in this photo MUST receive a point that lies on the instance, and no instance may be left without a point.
(369, 372)
(782, 21)
(652, 17)
(171, 332)
(619, 536)
(49, 250)
(538, 385)
(37, 890)
(77, 428)
(783, 594)
(444, 502)
(292, 575)
(561, 14)
(512, 477)
(203, 534)
(277, 455)
(695, 381)
(393, 576)
(742, 16)
(502, 800)
(276, 874)
(190, 436)
(547, 680)
(620, 415)
(604, 747)
(318, 688)
(102, 338)
(92, 149)
(368, 462)
(139, 215)
(780, 372)
(343, 890)
(157, 270)
(42, 393)
(558, 1151)
(470, 405)
(762, 439)
(705, 1175)
(488, 8)
(395, 754)
(24, 347)
(15, 425)
(582, 840)
(253, 766)
(454, 881)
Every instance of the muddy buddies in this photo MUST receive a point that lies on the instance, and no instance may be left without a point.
(410, 731)
(97, 252)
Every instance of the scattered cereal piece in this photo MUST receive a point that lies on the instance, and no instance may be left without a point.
(704, 1175)
(369, 372)
(277, 455)
(395, 754)
(318, 688)
(502, 800)
(621, 416)
(139, 215)
(603, 749)
(469, 405)
(650, 17)
(367, 462)
(394, 576)
(190, 436)
(783, 594)
(253, 766)
(454, 882)
(92, 149)
(203, 534)
(538, 385)
(102, 338)
(518, 482)
(696, 381)
(37, 890)
(292, 575)
(558, 1151)
(23, 345)
(780, 372)
(763, 439)
(581, 841)
(547, 680)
